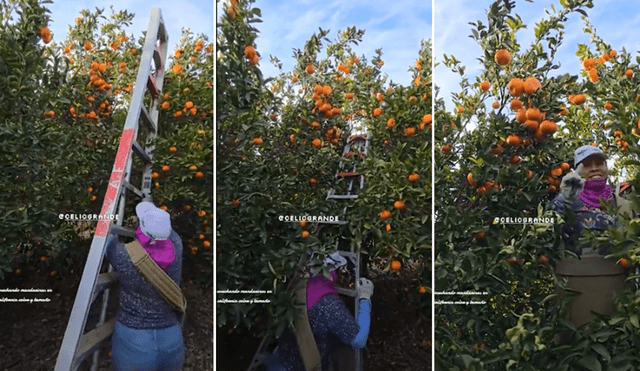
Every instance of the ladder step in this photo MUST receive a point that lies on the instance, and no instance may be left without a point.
(151, 82)
(138, 150)
(347, 174)
(104, 280)
(348, 254)
(144, 115)
(122, 231)
(132, 188)
(356, 136)
(91, 340)
(349, 154)
(342, 197)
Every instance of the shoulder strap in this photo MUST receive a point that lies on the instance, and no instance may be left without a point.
(624, 208)
(157, 277)
(306, 342)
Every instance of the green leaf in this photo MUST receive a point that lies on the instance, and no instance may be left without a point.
(600, 349)
(590, 363)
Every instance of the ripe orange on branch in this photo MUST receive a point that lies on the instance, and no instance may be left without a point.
(516, 104)
(391, 123)
(470, 180)
(485, 86)
(531, 85)
(548, 127)
(577, 99)
(513, 140)
(516, 87)
(409, 131)
(502, 57)
(395, 265)
(386, 214)
(309, 69)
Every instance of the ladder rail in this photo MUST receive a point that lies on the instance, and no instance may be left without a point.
(68, 359)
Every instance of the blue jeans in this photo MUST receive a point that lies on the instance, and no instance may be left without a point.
(147, 349)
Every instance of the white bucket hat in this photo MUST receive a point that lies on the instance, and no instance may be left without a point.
(154, 222)
(332, 261)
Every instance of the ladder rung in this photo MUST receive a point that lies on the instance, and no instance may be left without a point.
(144, 115)
(151, 83)
(91, 340)
(356, 136)
(347, 174)
(132, 188)
(122, 231)
(343, 197)
(349, 154)
(138, 150)
(348, 253)
(104, 280)
(348, 292)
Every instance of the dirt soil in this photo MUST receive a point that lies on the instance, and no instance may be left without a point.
(31, 333)
(399, 340)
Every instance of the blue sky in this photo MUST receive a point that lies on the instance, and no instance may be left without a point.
(194, 14)
(616, 22)
(395, 26)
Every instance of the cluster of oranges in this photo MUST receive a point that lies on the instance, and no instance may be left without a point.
(45, 34)
(232, 8)
(251, 54)
(590, 64)
(488, 185)
(321, 98)
(93, 197)
(96, 76)
(332, 135)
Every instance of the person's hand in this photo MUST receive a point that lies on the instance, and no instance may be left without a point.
(365, 289)
(571, 186)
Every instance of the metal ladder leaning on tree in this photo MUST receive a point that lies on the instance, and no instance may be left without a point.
(77, 345)
(359, 142)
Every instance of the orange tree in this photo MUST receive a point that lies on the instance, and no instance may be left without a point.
(392, 213)
(279, 142)
(84, 86)
(498, 155)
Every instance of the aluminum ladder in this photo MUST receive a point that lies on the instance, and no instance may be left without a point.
(359, 142)
(357, 145)
(77, 344)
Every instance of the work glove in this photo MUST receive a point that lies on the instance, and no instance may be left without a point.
(365, 289)
(571, 186)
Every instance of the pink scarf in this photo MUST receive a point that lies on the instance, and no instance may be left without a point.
(318, 286)
(161, 252)
(593, 190)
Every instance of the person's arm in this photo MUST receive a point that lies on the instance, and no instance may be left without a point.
(365, 290)
(364, 321)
